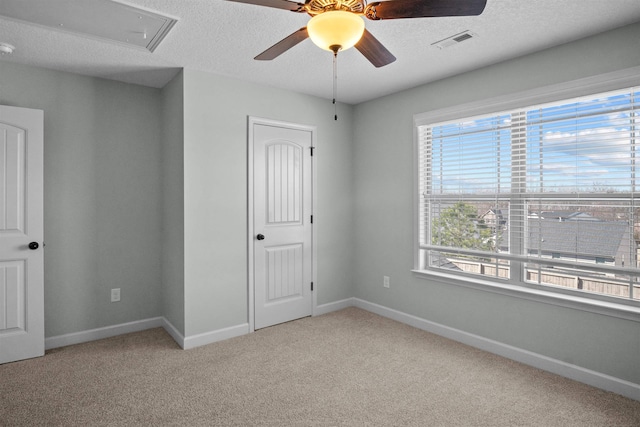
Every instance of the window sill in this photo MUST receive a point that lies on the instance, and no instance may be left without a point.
(621, 311)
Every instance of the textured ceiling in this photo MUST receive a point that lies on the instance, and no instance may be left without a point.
(223, 37)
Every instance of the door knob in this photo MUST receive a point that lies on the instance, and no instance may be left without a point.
(33, 246)
(260, 237)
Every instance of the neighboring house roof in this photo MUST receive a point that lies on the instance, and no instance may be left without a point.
(567, 215)
(494, 215)
(439, 260)
(595, 239)
(495, 212)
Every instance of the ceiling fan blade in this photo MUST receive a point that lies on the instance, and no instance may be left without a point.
(278, 4)
(396, 9)
(283, 45)
(374, 51)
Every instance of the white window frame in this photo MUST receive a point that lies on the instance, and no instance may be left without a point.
(582, 87)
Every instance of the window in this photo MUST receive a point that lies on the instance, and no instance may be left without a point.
(544, 196)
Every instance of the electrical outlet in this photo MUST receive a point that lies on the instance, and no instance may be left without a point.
(385, 281)
(115, 294)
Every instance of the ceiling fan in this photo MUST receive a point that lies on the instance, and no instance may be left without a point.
(337, 24)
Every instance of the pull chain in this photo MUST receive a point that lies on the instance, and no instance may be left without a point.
(335, 84)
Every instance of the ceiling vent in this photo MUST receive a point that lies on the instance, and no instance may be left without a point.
(455, 39)
(105, 20)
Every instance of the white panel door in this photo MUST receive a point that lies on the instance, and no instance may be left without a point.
(21, 234)
(282, 209)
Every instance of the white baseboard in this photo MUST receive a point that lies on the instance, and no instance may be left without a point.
(173, 331)
(555, 366)
(214, 336)
(586, 376)
(333, 306)
(141, 325)
(100, 333)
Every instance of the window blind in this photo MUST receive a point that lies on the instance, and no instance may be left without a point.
(545, 194)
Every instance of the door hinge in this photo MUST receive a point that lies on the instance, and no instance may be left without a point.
(311, 219)
(312, 150)
(312, 286)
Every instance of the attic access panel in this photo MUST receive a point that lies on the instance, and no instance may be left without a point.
(102, 19)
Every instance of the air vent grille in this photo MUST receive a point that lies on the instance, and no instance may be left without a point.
(462, 37)
(455, 39)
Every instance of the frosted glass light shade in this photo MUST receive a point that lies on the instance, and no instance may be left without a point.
(335, 28)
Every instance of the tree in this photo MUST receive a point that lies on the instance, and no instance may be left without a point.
(459, 227)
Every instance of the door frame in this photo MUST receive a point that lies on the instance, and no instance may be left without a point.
(251, 122)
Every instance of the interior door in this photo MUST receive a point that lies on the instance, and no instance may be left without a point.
(21, 234)
(282, 223)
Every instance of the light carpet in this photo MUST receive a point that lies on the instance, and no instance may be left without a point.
(347, 368)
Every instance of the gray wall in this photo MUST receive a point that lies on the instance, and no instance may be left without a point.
(102, 175)
(383, 204)
(173, 202)
(146, 190)
(215, 166)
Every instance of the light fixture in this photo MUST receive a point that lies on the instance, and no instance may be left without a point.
(335, 30)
